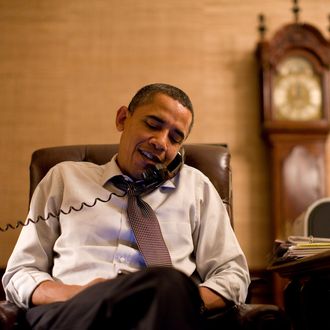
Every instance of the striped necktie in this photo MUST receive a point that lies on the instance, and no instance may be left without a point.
(144, 224)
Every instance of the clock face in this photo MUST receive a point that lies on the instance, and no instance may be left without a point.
(297, 91)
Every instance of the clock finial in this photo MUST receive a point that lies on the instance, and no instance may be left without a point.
(262, 26)
(296, 10)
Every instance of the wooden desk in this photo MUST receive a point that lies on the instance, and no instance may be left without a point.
(307, 296)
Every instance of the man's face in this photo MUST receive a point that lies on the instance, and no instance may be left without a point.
(152, 134)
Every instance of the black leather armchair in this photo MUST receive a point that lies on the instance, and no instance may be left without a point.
(212, 160)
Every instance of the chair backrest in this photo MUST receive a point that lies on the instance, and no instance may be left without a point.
(213, 160)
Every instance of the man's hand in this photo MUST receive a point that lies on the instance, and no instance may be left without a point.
(50, 291)
(211, 299)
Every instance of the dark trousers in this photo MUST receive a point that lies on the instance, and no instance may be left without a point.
(155, 298)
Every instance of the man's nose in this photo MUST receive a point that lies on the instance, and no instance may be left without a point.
(159, 141)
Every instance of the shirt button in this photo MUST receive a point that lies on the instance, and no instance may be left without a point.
(122, 260)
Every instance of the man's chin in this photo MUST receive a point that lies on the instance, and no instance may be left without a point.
(139, 172)
(140, 175)
(137, 175)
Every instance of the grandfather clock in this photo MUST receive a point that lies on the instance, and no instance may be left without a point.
(294, 96)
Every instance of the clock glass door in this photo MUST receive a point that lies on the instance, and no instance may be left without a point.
(297, 90)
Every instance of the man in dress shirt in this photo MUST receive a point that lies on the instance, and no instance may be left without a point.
(83, 269)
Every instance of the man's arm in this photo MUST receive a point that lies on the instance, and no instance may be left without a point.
(50, 291)
(211, 299)
(220, 261)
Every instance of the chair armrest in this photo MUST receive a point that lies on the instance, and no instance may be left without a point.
(262, 316)
(249, 317)
(9, 315)
(242, 317)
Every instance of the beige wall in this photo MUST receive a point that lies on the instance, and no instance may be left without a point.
(67, 65)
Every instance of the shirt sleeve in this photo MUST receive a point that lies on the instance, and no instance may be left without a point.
(220, 260)
(31, 260)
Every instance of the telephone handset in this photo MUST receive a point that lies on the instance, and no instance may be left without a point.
(161, 173)
(153, 177)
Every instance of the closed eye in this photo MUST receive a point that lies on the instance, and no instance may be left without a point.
(153, 126)
(155, 123)
(176, 138)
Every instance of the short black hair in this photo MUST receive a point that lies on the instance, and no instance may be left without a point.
(146, 93)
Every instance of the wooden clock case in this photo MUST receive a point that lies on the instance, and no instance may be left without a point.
(297, 148)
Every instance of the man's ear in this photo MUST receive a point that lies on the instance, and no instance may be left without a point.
(121, 117)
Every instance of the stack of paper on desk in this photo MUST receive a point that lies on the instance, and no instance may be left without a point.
(301, 246)
(296, 247)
